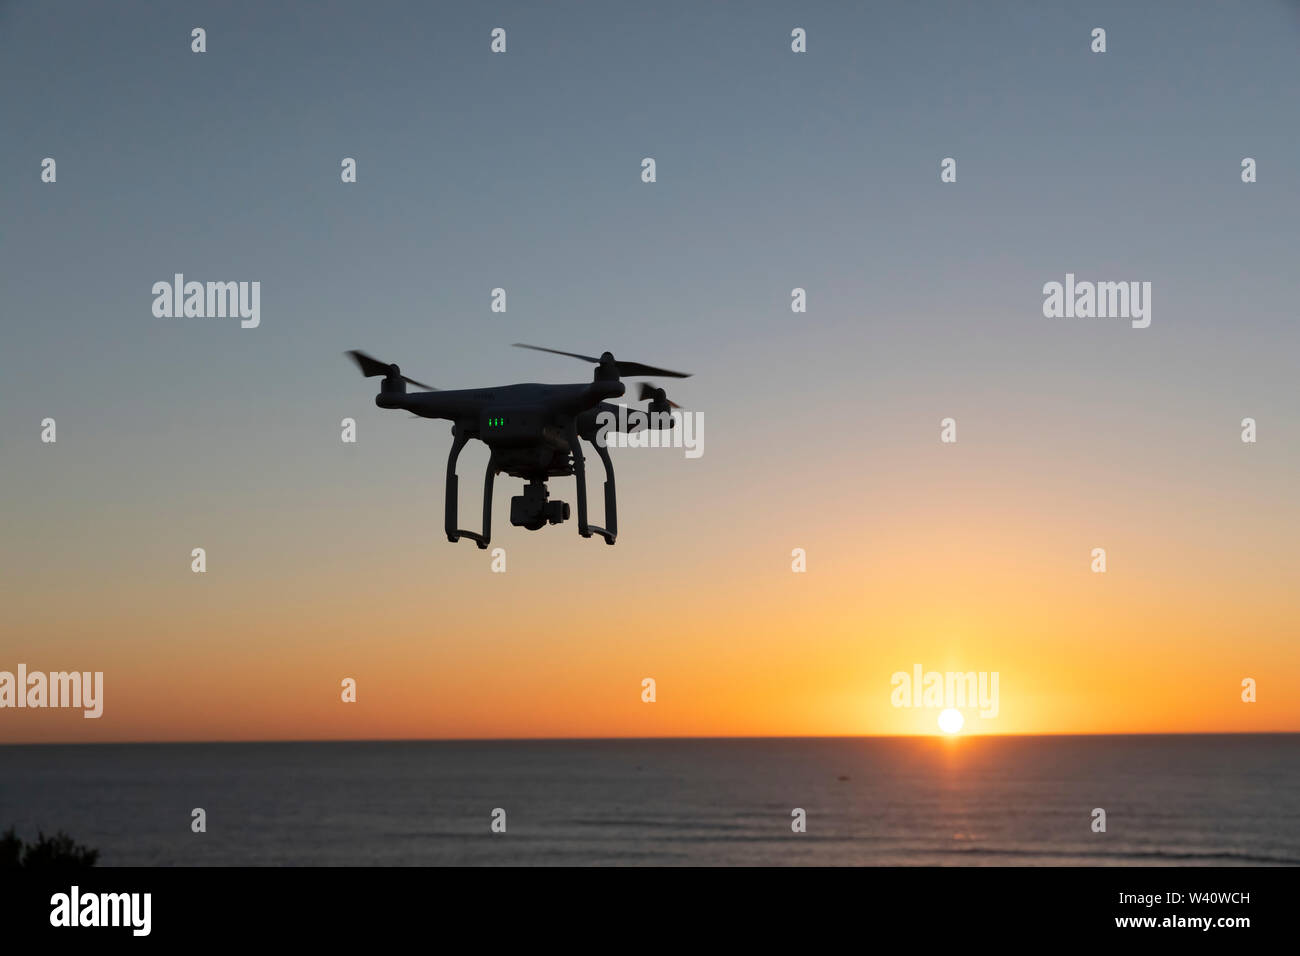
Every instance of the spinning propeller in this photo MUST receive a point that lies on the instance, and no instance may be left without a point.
(371, 366)
(607, 361)
(656, 395)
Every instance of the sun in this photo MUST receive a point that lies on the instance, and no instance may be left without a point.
(951, 721)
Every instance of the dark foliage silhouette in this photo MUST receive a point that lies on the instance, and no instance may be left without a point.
(47, 853)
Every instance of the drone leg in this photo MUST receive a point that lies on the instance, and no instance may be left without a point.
(580, 473)
(611, 501)
(452, 494)
(487, 501)
(454, 533)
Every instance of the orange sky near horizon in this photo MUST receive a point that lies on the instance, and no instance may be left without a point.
(738, 644)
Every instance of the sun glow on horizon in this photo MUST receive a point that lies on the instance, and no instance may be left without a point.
(951, 721)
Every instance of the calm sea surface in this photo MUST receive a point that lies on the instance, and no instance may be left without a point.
(1181, 800)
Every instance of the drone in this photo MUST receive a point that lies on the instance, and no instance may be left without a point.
(533, 432)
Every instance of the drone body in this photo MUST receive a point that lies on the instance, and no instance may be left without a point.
(533, 432)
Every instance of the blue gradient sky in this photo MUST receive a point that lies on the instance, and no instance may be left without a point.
(775, 170)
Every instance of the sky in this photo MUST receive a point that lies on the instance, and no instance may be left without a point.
(775, 170)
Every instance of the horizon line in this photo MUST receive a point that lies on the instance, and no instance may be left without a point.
(486, 740)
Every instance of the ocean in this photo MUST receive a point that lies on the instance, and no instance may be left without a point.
(1170, 800)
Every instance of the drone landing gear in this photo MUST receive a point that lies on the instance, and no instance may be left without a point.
(611, 503)
(524, 510)
(454, 534)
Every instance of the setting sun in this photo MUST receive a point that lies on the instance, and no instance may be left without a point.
(951, 721)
